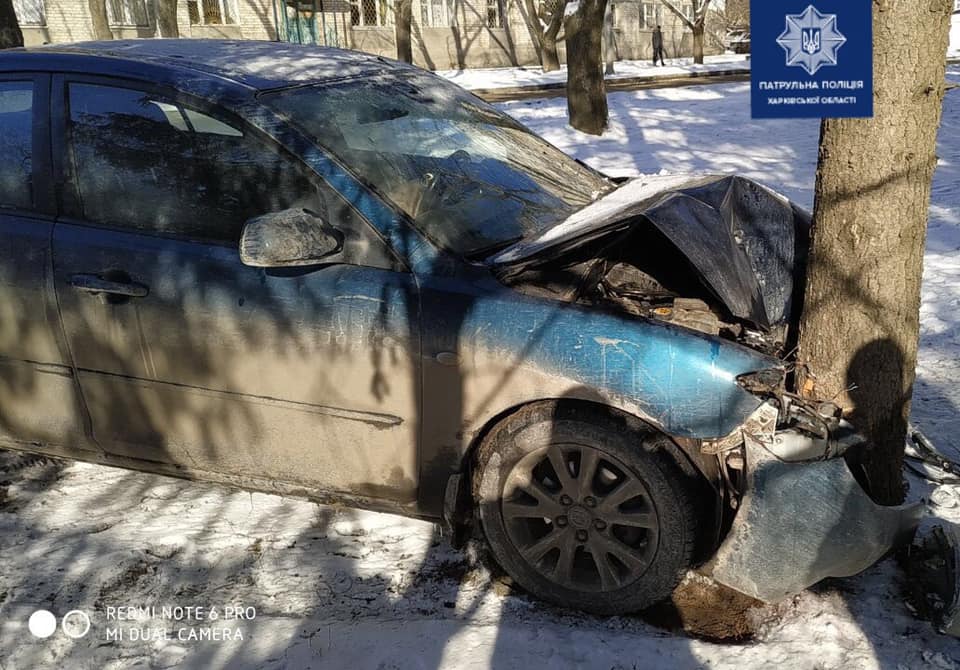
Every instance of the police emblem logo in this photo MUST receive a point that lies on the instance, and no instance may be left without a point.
(811, 40)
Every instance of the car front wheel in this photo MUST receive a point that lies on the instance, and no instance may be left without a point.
(586, 509)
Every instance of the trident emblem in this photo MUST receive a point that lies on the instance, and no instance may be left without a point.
(811, 40)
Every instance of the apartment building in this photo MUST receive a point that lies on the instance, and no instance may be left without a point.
(446, 33)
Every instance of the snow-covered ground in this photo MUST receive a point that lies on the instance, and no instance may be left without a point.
(953, 50)
(509, 77)
(347, 589)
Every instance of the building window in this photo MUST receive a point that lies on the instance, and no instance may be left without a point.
(688, 11)
(494, 14)
(211, 12)
(29, 12)
(650, 16)
(371, 13)
(437, 13)
(127, 13)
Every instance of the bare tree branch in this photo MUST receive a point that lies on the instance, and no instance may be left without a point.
(669, 5)
(544, 23)
(699, 13)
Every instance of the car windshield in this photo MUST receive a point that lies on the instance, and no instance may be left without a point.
(471, 179)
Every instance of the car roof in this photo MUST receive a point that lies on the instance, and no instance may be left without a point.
(255, 64)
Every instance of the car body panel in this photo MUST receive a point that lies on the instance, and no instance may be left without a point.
(38, 392)
(311, 379)
(39, 396)
(510, 348)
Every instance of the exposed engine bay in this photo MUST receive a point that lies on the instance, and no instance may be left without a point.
(720, 255)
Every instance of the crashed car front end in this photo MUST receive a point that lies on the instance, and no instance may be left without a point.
(801, 513)
(726, 257)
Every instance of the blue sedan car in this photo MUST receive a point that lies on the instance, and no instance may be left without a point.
(329, 274)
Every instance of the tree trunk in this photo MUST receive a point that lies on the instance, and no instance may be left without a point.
(549, 59)
(167, 18)
(404, 17)
(543, 25)
(10, 34)
(586, 91)
(534, 29)
(609, 41)
(99, 20)
(860, 323)
(697, 26)
(698, 30)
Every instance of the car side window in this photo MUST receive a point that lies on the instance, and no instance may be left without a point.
(16, 144)
(146, 163)
(154, 165)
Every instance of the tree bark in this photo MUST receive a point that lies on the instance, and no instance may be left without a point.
(698, 30)
(586, 91)
(10, 33)
(99, 20)
(403, 18)
(860, 323)
(549, 58)
(167, 18)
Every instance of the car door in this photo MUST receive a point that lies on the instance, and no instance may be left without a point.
(39, 402)
(185, 356)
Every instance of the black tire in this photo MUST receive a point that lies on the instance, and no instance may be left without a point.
(640, 565)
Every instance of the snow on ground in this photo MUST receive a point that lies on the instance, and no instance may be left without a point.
(509, 77)
(348, 589)
(954, 49)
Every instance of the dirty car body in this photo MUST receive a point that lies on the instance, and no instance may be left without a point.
(382, 271)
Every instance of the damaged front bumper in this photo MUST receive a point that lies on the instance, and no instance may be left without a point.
(801, 520)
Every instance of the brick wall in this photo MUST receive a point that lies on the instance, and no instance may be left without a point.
(66, 21)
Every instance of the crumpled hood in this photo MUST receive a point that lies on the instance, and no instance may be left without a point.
(747, 243)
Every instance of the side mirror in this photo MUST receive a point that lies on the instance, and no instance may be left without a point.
(288, 238)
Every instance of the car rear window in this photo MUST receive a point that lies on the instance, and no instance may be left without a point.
(16, 144)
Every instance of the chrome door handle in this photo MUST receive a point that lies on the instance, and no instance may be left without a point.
(95, 284)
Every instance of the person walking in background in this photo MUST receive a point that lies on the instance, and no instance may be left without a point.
(658, 46)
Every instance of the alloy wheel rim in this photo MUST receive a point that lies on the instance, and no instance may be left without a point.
(580, 517)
